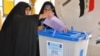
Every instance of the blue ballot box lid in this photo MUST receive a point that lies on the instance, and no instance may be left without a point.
(69, 35)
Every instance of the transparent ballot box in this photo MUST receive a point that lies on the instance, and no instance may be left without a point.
(71, 43)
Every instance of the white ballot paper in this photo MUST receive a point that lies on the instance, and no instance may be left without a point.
(55, 23)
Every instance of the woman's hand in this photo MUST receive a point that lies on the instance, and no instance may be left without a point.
(40, 28)
(47, 14)
(43, 16)
(66, 29)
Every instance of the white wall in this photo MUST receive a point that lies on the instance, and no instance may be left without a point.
(38, 5)
(89, 22)
(0, 2)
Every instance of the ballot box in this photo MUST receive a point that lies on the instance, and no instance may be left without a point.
(71, 43)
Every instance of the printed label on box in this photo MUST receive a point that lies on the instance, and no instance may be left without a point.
(54, 48)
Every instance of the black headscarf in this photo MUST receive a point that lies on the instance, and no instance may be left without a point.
(48, 3)
(19, 9)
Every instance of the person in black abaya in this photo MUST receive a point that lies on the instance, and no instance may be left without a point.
(46, 7)
(18, 36)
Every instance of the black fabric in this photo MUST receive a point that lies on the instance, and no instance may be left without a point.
(82, 7)
(18, 36)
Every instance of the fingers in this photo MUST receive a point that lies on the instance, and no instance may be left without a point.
(47, 14)
(66, 29)
(43, 16)
(40, 28)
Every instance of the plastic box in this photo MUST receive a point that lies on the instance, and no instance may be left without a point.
(71, 43)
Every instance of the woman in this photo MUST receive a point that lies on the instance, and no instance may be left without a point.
(19, 32)
(47, 7)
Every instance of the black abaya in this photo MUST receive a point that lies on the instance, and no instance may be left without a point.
(20, 37)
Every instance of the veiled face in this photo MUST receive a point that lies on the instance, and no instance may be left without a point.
(28, 11)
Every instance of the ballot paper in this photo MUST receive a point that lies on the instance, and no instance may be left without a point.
(55, 23)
